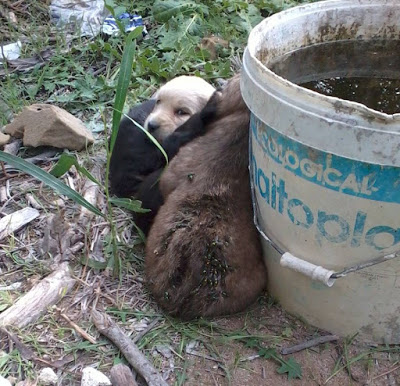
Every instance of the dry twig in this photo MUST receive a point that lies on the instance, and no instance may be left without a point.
(120, 375)
(79, 330)
(395, 368)
(3, 194)
(23, 349)
(132, 354)
(90, 192)
(28, 354)
(43, 295)
(308, 344)
(15, 221)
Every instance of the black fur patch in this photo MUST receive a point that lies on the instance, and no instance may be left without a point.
(136, 163)
(134, 156)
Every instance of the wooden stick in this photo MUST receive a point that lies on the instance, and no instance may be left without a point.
(43, 295)
(15, 221)
(197, 354)
(90, 193)
(386, 372)
(309, 343)
(23, 349)
(79, 330)
(33, 202)
(131, 352)
(121, 375)
(3, 194)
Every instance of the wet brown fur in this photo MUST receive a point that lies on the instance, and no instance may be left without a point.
(203, 253)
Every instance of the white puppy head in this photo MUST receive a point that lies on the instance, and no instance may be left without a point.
(177, 101)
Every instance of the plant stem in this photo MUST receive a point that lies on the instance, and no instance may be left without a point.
(114, 260)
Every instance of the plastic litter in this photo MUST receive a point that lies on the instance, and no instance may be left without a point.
(85, 16)
(10, 51)
(90, 17)
(129, 21)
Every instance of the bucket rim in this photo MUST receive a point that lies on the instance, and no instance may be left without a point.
(346, 107)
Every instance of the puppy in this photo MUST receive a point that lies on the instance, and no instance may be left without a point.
(135, 156)
(176, 102)
(136, 162)
(148, 191)
(203, 253)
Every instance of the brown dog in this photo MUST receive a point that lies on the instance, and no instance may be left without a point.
(203, 253)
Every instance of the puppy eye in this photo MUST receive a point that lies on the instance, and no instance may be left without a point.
(158, 101)
(181, 112)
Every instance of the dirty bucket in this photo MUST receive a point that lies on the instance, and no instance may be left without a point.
(326, 171)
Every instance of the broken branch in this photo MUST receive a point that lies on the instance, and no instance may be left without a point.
(131, 352)
(120, 375)
(43, 295)
(308, 344)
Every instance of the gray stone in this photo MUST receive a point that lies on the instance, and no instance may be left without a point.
(47, 125)
(93, 377)
(164, 350)
(47, 376)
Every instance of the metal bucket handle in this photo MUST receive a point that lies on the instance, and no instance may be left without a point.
(315, 272)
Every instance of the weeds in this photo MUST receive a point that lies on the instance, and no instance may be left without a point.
(81, 74)
(287, 366)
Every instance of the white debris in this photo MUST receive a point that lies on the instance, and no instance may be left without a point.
(11, 287)
(10, 51)
(47, 376)
(86, 16)
(93, 377)
(4, 382)
(164, 350)
(192, 346)
(139, 325)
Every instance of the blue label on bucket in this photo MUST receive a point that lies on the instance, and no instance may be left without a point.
(360, 179)
(355, 226)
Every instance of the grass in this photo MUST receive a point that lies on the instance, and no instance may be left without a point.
(82, 75)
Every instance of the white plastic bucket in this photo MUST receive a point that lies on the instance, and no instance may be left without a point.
(326, 177)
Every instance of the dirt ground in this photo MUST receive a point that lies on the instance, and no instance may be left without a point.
(222, 351)
(319, 364)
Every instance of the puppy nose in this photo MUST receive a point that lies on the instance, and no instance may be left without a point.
(152, 126)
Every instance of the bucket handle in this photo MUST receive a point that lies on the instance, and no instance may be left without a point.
(315, 272)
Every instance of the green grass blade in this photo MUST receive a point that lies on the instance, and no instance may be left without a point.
(93, 263)
(127, 203)
(48, 179)
(124, 80)
(64, 164)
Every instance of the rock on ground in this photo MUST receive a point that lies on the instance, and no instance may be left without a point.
(4, 382)
(47, 376)
(4, 138)
(47, 125)
(93, 377)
